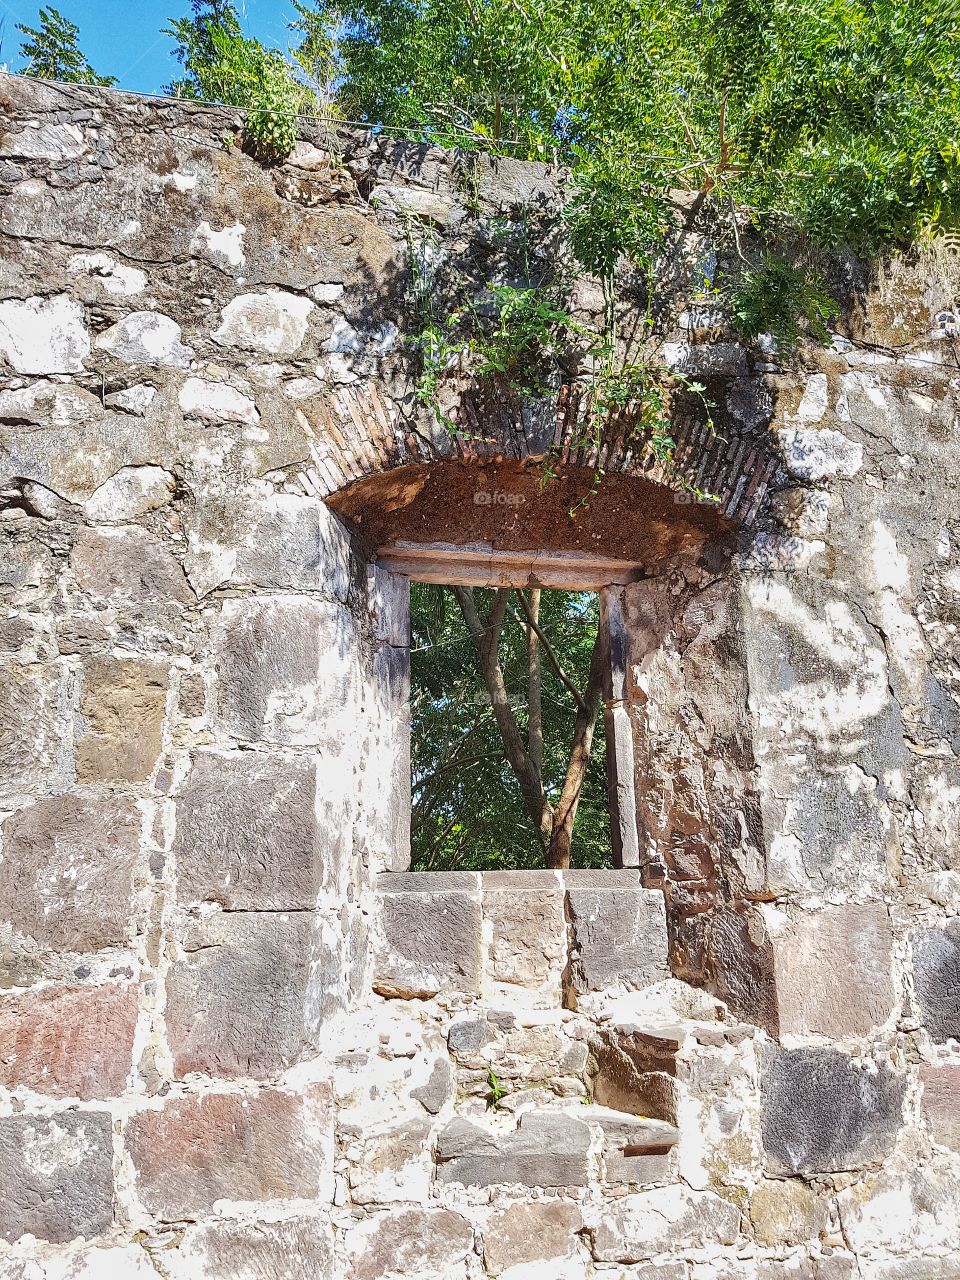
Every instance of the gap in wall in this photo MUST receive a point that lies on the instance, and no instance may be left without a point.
(468, 806)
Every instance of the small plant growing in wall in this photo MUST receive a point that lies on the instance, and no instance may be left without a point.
(783, 300)
(524, 337)
(221, 64)
(527, 324)
(497, 1092)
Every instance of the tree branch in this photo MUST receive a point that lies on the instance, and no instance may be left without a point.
(724, 145)
(426, 800)
(534, 682)
(548, 650)
(498, 611)
(486, 639)
(451, 859)
(558, 854)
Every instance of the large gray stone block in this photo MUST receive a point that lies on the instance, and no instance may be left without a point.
(384, 765)
(57, 1175)
(656, 1271)
(279, 541)
(618, 932)
(833, 971)
(34, 742)
(468, 1036)
(941, 1102)
(823, 1112)
(216, 401)
(635, 1149)
(812, 453)
(44, 335)
(504, 183)
(128, 567)
(51, 457)
(53, 142)
(910, 1269)
(133, 491)
(388, 597)
(740, 955)
(146, 338)
(286, 671)
(662, 1220)
(936, 978)
(525, 912)
(250, 835)
(431, 934)
(530, 1233)
(238, 1002)
(438, 1088)
(548, 1149)
(429, 1244)
(272, 323)
(292, 1249)
(67, 878)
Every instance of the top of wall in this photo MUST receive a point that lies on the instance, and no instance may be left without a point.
(171, 153)
(175, 300)
(268, 315)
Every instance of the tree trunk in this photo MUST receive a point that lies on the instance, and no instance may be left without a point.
(554, 827)
(534, 685)
(486, 637)
(565, 814)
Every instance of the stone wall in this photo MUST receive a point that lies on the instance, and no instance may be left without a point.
(237, 1040)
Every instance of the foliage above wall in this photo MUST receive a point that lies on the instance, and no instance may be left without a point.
(826, 125)
(221, 64)
(52, 51)
(785, 128)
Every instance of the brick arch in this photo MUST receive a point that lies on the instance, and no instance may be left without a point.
(357, 433)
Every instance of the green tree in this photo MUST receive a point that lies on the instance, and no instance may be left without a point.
(200, 39)
(51, 51)
(507, 764)
(815, 125)
(221, 64)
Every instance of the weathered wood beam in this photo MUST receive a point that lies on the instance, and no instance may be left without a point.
(482, 565)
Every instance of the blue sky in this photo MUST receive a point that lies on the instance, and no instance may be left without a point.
(122, 37)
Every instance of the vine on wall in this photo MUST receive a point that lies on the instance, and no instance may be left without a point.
(524, 337)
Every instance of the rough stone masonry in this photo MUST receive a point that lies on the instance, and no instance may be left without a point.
(238, 1039)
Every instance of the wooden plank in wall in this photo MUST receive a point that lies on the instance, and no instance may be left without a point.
(481, 565)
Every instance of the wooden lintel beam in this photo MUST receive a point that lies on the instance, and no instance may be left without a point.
(481, 565)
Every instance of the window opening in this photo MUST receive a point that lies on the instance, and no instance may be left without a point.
(508, 749)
